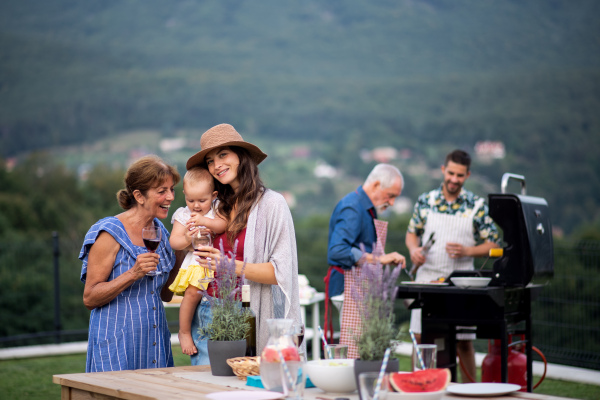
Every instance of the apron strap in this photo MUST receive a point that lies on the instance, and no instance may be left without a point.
(476, 207)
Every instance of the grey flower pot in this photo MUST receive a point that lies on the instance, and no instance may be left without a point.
(220, 351)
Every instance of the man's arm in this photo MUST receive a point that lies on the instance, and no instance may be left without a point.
(486, 232)
(457, 250)
(345, 233)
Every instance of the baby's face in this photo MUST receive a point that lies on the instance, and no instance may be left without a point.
(199, 197)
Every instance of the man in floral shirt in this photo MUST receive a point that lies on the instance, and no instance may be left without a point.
(449, 227)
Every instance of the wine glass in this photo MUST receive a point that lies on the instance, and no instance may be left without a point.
(152, 235)
(199, 239)
(298, 334)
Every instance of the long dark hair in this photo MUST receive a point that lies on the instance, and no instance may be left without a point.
(249, 192)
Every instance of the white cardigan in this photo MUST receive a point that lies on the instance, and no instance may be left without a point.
(270, 237)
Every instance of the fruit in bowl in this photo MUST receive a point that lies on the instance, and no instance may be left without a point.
(332, 376)
(428, 384)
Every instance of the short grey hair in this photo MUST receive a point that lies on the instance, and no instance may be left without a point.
(386, 174)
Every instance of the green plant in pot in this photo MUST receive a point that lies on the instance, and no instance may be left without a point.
(229, 327)
(375, 293)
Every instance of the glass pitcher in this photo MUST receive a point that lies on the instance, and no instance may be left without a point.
(273, 374)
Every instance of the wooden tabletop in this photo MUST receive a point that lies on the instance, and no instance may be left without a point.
(190, 382)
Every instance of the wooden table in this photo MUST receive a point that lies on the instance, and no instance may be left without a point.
(190, 382)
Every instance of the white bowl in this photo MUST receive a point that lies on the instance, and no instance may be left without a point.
(470, 281)
(333, 376)
(416, 395)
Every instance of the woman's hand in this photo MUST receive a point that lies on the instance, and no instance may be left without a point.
(98, 289)
(144, 263)
(208, 256)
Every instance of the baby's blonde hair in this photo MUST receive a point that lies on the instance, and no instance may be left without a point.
(198, 174)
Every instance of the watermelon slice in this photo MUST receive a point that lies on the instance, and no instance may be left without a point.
(289, 354)
(428, 380)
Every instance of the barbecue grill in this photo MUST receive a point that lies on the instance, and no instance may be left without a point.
(503, 308)
(528, 249)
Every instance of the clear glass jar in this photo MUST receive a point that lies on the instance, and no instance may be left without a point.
(280, 343)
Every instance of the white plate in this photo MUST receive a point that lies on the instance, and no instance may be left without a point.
(470, 281)
(245, 394)
(482, 389)
(425, 283)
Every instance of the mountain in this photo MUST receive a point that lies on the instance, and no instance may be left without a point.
(420, 75)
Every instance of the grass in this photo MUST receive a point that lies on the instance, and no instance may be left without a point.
(31, 378)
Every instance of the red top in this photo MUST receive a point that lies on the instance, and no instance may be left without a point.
(212, 289)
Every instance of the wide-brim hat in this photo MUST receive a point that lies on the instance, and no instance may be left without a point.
(220, 136)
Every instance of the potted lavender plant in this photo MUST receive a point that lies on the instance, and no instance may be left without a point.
(375, 293)
(227, 332)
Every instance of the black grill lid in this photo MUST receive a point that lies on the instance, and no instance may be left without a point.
(528, 247)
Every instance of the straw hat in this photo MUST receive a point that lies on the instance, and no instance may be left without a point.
(220, 136)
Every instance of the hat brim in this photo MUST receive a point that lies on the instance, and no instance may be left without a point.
(257, 155)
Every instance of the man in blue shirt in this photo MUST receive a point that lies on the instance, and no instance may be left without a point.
(352, 224)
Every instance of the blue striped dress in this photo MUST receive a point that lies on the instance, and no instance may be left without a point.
(130, 332)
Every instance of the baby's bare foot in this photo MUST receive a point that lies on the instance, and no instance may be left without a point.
(187, 344)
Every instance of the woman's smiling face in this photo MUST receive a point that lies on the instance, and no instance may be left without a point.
(159, 199)
(223, 164)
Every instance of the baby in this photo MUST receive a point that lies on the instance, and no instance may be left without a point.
(199, 214)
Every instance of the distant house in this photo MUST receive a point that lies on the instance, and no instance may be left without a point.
(301, 152)
(324, 170)
(379, 154)
(489, 150)
(172, 144)
(10, 164)
(290, 199)
(384, 154)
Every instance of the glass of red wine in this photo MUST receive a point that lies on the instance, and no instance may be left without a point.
(298, 334)
(152, 236)
(203, 238)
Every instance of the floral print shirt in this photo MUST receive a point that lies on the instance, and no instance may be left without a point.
(484, 228)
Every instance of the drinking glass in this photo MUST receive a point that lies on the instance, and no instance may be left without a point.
(336, 350)
(367, 385)
(298, 334)
(428, 357)
(203, 238)
(294, 379)
(152, 235)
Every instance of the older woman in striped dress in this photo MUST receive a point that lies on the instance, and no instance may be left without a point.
(128, 326)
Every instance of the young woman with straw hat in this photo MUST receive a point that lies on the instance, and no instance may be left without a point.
(259, 220)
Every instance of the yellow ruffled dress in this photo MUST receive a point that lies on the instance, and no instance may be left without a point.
(192, 274)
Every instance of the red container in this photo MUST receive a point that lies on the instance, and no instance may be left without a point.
(517, 365)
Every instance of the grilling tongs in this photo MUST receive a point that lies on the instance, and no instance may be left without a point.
(429, 243)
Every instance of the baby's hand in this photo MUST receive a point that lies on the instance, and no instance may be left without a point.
(190, 231)
(197, 220)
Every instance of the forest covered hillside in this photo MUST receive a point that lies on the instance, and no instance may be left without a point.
(338, 77)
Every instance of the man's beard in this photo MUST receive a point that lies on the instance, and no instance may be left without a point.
(382, 207)
(456, 190)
